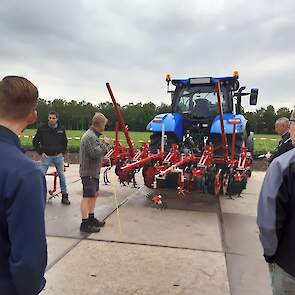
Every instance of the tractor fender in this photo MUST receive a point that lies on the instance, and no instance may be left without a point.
(173, 123)
(228, 127)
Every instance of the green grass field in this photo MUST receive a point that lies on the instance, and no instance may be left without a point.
(263, 142)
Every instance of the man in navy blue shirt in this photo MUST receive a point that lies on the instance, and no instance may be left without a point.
(23, 249)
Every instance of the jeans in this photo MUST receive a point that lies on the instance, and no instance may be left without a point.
(58, 162)
(282, 283)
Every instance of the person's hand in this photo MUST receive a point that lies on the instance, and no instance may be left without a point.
(106, 140)
(44, 155)
(60, 155)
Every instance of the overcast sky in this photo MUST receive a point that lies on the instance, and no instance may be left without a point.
(70, 49)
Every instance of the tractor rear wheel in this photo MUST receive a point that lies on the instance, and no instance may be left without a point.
(155, 142)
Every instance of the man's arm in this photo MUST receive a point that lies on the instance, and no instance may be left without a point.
(283, 148)
(37, 142)
(65, 142)
(95, 148)
(272, 209)
(26, 228)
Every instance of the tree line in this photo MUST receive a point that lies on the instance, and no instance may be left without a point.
(77, 115)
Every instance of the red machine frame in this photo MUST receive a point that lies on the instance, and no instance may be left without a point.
(225, 174)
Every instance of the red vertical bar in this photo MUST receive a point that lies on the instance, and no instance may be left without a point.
(54, 181)
(117, 135)
(233, 143)
(223, 135)
(124, 128)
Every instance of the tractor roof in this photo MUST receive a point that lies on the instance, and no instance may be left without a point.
(203, 81)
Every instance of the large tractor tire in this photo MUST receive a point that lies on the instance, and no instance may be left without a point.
(217, 143)
(155, 142)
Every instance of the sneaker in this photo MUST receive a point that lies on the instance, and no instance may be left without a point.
(96, 222)
(65, 199)
(88, 228)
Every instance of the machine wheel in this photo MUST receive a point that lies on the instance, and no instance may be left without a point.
(231, 187)
(148, 173)
(217, 183)
(225, 184)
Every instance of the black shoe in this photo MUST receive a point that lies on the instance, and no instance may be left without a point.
(88, 228)
(96, 222)
(65, 199)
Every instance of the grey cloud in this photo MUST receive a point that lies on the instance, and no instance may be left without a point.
(71, 48)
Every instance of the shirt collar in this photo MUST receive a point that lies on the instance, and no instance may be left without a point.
(10, 137)
(286, 134)
(53, 127)
(98, 134)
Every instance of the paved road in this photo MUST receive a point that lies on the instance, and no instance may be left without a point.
(199, 245)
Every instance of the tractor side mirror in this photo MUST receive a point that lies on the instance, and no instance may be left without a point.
(253, 96)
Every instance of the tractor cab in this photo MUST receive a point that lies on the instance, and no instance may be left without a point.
(196, 100)
(195, 112)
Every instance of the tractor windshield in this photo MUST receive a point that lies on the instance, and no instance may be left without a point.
(199, 101)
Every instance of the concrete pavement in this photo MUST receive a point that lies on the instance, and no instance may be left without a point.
(199, 245)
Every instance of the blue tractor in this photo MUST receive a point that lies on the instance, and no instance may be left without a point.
(195, 116)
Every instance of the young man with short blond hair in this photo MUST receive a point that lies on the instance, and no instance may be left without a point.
(91, 153)
(23, 249)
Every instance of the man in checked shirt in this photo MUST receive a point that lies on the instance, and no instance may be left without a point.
(92, 150)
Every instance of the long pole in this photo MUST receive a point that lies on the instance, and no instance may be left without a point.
(123, 126)
(223, 135)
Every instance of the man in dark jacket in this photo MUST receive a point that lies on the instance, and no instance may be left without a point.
(285, 144)
(23, 250)
(51, 143)
(276, 218)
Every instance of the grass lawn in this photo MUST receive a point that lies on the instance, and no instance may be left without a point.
(75, 135)
(262, 144)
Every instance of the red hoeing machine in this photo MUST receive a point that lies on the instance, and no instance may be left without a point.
(217, 163)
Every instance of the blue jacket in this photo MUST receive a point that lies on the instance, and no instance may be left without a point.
(23, 249)
(275, 216)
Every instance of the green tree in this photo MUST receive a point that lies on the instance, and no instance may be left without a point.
(269, 118)
(283, 112)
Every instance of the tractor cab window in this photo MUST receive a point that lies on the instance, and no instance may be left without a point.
(200, 102)
(185, 102)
